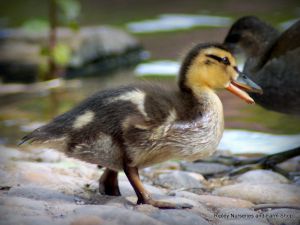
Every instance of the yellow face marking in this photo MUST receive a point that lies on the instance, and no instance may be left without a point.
(83, 119)
(208, 73)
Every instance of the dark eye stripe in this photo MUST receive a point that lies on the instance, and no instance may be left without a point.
(219, 59)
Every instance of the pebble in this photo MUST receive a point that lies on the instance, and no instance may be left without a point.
(205, 168)
(291, 165)
(88, 220)
(178, 217)
(114, 215)
(40, 193)
(262, 193)
(214, 201)
(179, 180)
(283, 216)
(262, 177)
(237, 216)
(127, 190)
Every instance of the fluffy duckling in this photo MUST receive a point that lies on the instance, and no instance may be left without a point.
(272, 61)
(136, 126)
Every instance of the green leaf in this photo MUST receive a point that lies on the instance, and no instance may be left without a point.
(70, 8)
(61, 54)
(36, 25)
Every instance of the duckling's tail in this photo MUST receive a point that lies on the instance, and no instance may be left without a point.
(36, 135)
(46, 133)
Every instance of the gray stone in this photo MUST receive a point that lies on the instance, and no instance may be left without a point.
(291, 165)
(175, 200)
(241, 222)
(88, 220)
(20, 48)
(215, 201)
(178, 217)
(19, 210)
(262, 177)
(40, 193)
(127, 190)
(283, 216)
(262, 193)
(178, 180)
(205, 168)
(29, 220)
(236, 216)
(113, 215)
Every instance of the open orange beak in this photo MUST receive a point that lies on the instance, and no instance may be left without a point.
(243, 84)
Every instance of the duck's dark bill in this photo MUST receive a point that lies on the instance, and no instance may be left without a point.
(238, 86)
(244, 83)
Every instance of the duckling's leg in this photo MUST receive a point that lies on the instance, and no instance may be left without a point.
(143, 195)
(108, 183)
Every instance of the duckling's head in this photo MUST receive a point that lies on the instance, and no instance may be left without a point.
(208, 67)
(251, 35)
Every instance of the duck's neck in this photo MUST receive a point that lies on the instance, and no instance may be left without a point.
(205, 101)
(208, 98)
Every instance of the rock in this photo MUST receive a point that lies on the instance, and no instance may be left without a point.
(88, 220)
(7, 153)
(127, 190)
(91, 47)
(205, 168)
(236, 216)
(41, 174)
(291, 165)
(178, 217)
(297, 180)
(113, 215)
(40, 193)
(27, 220)
(262, 177)
(262, 193)
(179, 180)
(168, 165)
(241, 222)
(283, 216)
(214, 201)
(19, 210)
(171, 199)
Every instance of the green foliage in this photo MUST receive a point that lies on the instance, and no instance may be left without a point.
(70, 11)
(61, 54)
(36, 25)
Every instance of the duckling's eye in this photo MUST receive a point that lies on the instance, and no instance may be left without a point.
(225, 61)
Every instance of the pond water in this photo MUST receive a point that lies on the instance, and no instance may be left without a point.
(20, 113)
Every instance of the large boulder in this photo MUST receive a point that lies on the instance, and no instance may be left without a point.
(93, 50)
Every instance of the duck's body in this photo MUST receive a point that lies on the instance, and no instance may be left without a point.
(152, 123)
(140, 125)
(273, 62)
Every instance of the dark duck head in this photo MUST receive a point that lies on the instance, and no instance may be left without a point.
(272, 61)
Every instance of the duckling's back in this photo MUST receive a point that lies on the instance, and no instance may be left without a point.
(92, 131)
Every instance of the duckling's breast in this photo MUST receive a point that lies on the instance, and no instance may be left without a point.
(179, 139)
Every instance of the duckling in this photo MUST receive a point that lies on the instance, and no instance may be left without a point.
(272, 61)
(136, 126)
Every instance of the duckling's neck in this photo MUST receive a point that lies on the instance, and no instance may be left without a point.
(207, 97)
(205, 101)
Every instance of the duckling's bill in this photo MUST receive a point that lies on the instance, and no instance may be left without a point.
(243, 84)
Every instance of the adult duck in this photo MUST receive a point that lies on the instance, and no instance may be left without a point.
(272, 61)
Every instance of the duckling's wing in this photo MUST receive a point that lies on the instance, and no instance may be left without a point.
(95, 114)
